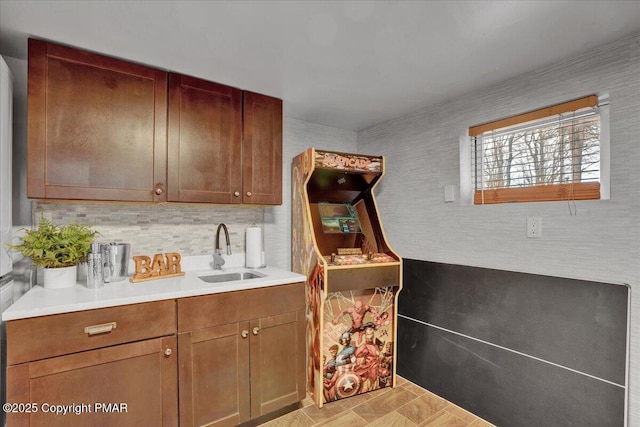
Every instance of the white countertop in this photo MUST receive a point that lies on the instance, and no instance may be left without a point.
(42, 302)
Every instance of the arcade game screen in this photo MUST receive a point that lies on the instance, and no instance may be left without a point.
(339, 218)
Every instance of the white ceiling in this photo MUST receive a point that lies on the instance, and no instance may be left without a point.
(349, 64)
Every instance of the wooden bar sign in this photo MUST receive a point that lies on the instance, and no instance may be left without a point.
(161, 267)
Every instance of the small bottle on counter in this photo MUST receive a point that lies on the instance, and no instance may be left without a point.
(95, 275)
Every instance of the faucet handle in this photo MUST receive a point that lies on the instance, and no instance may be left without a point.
(218, 261)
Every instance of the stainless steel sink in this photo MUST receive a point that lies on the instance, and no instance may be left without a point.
(230, 277)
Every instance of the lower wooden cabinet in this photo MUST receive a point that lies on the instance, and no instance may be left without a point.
(241, 354)
(276, 362)
(222, 359)
(125, 385)
(109, 366)
(214, 374)
(232, 373)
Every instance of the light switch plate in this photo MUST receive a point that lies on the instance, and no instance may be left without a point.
(449, 193)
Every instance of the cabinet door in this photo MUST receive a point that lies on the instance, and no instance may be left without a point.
(205, 131)
(96, 128)
(277, 362)
(262, 150)
(126, 385)
(214, 376)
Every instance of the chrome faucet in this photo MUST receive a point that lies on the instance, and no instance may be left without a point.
(218, 261)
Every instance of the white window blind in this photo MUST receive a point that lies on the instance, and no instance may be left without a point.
(544, 155)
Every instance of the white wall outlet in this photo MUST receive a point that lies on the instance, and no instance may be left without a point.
(534, 227)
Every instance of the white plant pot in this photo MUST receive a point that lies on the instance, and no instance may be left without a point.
(58, 278)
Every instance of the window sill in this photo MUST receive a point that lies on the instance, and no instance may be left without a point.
(539, 193)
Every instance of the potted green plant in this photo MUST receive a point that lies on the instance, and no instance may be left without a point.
(58, 250)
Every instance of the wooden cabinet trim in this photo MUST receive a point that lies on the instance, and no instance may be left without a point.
(185, 373)
(48, 336)
(160, 135)
(278, 319)
(36, 112)
(92, 59)
(18, 392)
(170, 381)
(70, 362)
(218, 309)
(215, 332)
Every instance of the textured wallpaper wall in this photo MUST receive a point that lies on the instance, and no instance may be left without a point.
(601, 242)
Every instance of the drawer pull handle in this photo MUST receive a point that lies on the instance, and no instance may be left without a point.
(100, 329)
(168, 352)
(245, 333)
(256, 330)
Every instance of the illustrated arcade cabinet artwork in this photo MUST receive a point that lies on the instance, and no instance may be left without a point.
(353, 277)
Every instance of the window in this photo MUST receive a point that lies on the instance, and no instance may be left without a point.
(550, 154)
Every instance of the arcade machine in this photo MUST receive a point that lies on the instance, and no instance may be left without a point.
(353, 277)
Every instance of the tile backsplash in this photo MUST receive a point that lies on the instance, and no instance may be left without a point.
(186, 229)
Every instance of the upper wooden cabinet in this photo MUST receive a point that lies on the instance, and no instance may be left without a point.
(96, 126)
(262, 150)
(225, 145)
(98, 130)
(205, 137)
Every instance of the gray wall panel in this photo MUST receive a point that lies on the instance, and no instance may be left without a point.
(502, 387)
(575, 323)
(515, 349)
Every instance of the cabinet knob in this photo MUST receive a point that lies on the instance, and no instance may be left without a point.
(159, 189)
(256, 330)
(248, 193)
(167, 352)
(245, 333)
(237, 194)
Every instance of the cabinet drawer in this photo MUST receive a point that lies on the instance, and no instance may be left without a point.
(230, 307)
(47, 336)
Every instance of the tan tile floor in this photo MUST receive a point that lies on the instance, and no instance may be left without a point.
(406, 405)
